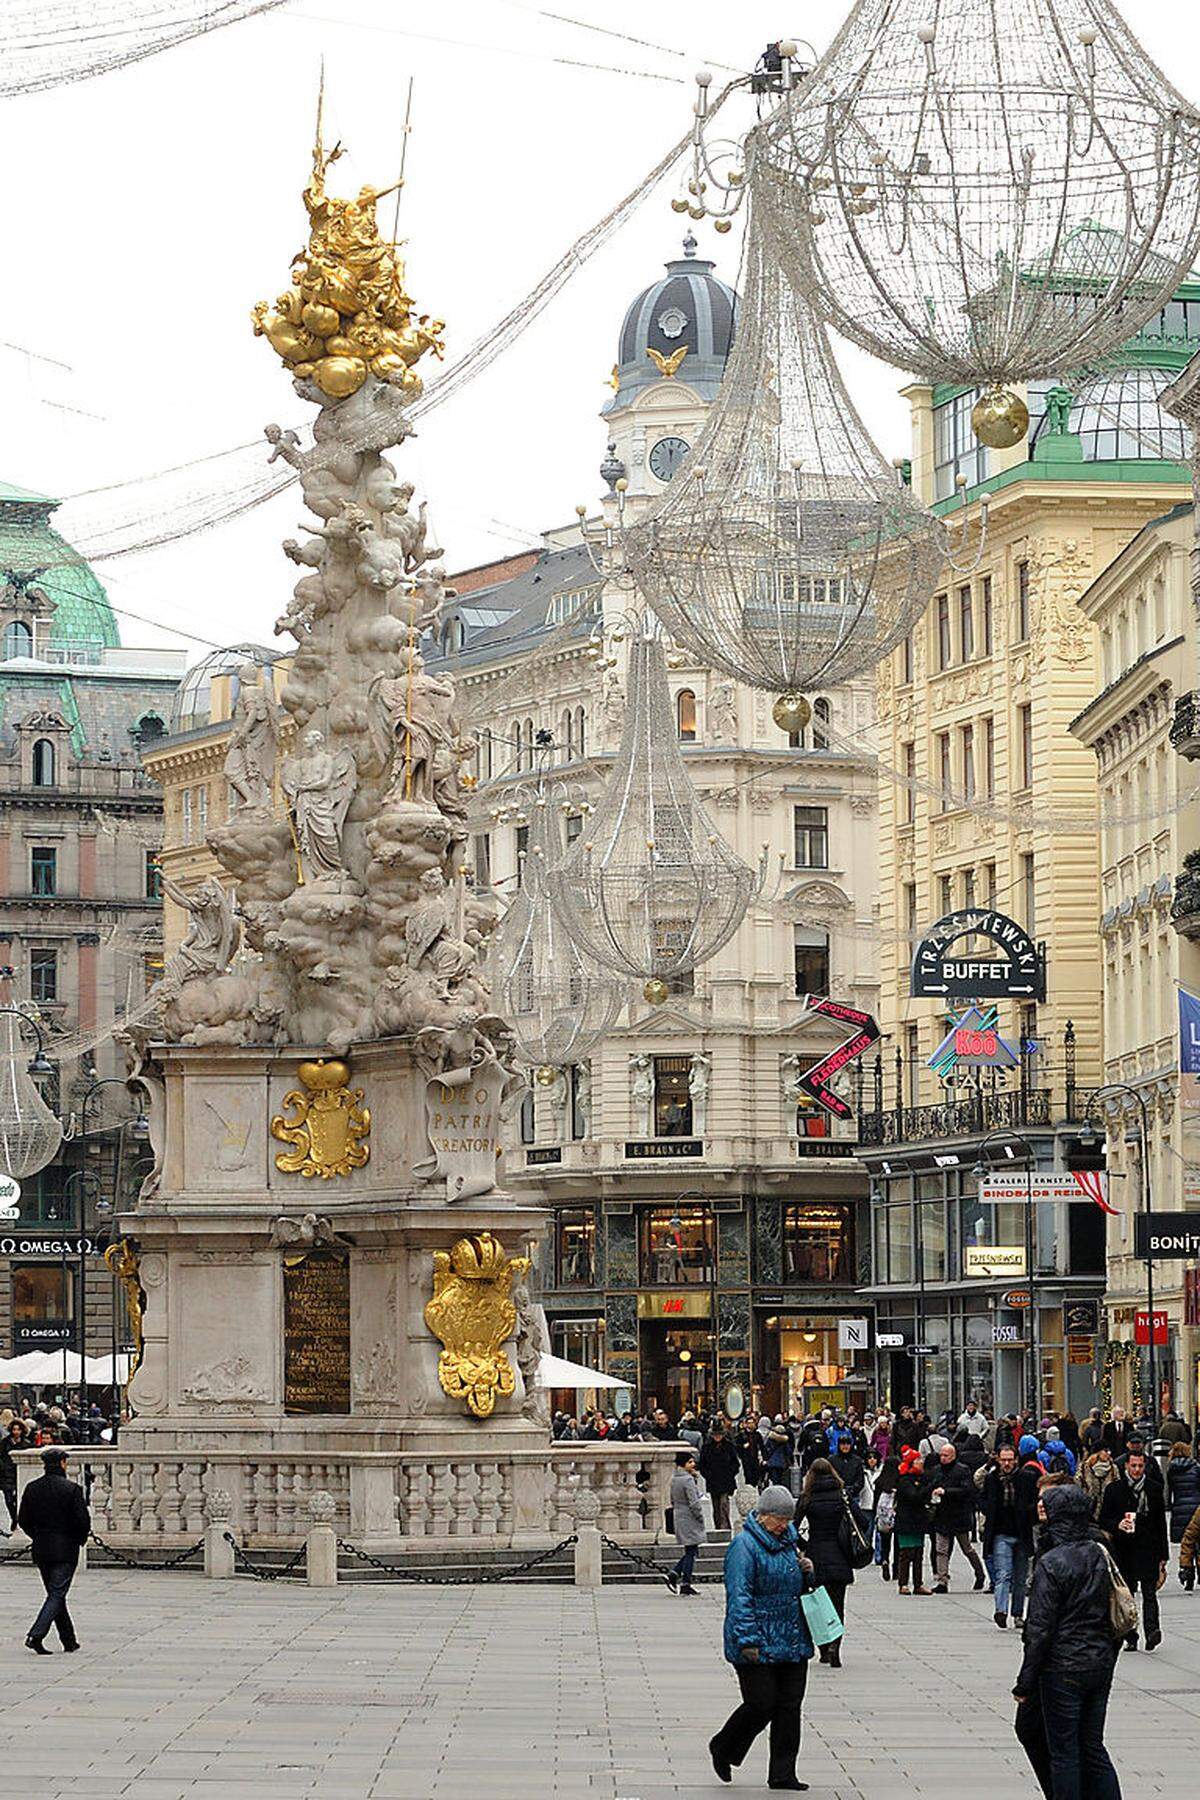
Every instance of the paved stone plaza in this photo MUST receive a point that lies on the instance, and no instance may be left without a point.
(231, 1691)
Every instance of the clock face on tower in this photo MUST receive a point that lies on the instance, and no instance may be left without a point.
(666, 456)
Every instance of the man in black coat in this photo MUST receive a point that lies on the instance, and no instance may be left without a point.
(1133, 1514)
(1008, 1498)
(55, 1514)
(720, 1466)
(1117, 1433)
(951, 1493)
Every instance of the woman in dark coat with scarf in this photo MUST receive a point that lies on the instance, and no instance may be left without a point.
(912, 1522)
(823, 1512)
(1183, 1489)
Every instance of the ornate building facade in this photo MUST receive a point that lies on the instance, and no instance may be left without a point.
(988, 801)
(80, 919)
(1142, 609)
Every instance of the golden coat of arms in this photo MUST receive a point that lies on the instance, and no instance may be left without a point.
(328, 1125)
(473, 1313)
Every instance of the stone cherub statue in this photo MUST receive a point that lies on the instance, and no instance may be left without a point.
(253, 741)
(319, 784)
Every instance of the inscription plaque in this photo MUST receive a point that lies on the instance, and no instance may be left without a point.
(316, 1334)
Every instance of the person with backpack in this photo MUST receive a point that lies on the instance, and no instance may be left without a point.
(885, 1515)
(1070, 1653)
(1054, 1455)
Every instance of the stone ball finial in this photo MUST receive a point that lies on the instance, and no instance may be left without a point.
(321, 1507)
(586, 1506)
(745, 1498)
(218, 1506)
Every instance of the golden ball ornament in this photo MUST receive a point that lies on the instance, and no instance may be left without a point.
(321, 320)
(722, 225)
(679, 205)
(340, 376)
(1000, 418)
(545, 1075)
(791, 712)
(655, 991)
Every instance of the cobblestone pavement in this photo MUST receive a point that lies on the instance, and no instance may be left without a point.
(212, 1690)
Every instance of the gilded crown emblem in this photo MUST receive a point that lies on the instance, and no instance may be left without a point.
(473, 1314)
(328, 1126)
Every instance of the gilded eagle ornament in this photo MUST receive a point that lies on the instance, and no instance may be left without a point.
(473, 1313)
(328, 1126)
(667, 365)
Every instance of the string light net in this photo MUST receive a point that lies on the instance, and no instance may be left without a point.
(558, 1001)
(650, 889)
(984, 190)
(29, 1132)
(52, 42)
(786, 552)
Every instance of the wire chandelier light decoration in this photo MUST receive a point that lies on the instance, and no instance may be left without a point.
(787, 552)
(650, 890)
(558, 1001)
(979, 191)
(49, 43)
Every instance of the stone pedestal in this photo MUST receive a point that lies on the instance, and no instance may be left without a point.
(284, 1313)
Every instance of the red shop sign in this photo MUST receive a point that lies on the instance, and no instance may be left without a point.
(1141, 1327)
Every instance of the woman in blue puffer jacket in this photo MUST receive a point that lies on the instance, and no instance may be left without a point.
(766, 1640)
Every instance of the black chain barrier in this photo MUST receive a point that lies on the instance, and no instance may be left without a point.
(662, 1570)
(17, 1555)
(133, 1562)
(242, 1561)
(483, 1579)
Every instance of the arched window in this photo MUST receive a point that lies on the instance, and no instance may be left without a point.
(43, 763)
(580, 731)
(685, 716)
(516, 744)
(18, 639)
(568, 734)
(149, 729)
(821, 719)
(527, 744)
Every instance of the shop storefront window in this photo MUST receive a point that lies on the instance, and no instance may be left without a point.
(933, 1227)
(43, 1305)
(577, 1247)
(818, 1243)
(677, 1246)
(579, 1341)
(901, 1264)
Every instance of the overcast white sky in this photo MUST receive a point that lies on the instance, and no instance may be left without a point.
(145, 212)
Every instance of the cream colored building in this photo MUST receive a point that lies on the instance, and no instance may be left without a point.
(988, 800)
(1142, 609)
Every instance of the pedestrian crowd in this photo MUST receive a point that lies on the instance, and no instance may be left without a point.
(1067, 1525)
(37, 1426)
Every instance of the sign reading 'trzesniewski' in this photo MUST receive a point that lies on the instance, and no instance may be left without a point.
(1166, 1234)
(1018, 967)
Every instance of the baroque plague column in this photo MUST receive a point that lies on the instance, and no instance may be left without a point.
(325, 1261)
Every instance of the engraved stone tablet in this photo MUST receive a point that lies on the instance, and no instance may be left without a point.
(316, 1334)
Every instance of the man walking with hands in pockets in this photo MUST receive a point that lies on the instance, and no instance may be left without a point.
(55, 1514)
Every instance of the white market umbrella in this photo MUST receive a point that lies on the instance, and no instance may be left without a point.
(557, 1372)
(98, 1370)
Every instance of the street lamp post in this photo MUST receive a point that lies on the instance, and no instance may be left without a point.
(89, 1095)
(1033, 1374)
(1089, 1135)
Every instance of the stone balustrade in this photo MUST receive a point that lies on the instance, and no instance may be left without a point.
(382, 1500)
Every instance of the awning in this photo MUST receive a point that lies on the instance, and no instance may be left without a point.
(557, 1372)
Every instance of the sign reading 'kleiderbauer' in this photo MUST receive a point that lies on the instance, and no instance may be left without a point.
(1016, 970)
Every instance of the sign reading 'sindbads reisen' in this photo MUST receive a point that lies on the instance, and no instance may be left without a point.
(1007, 965)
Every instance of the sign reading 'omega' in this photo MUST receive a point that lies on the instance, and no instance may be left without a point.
(1014, 969)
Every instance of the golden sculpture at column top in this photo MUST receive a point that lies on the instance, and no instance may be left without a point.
(473, 1313)
(346, 314)
(328, 1126)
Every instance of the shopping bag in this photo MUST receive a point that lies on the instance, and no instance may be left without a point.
(820, 1615)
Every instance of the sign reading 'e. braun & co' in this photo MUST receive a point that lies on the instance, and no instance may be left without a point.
(1009, 965)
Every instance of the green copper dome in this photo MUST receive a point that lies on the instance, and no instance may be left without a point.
(33, 555)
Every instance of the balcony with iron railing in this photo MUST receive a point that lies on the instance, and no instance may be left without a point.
(1185, 728)
(1185, 908)
(986, 1105)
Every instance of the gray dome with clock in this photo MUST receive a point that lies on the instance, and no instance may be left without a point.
(690, 311)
